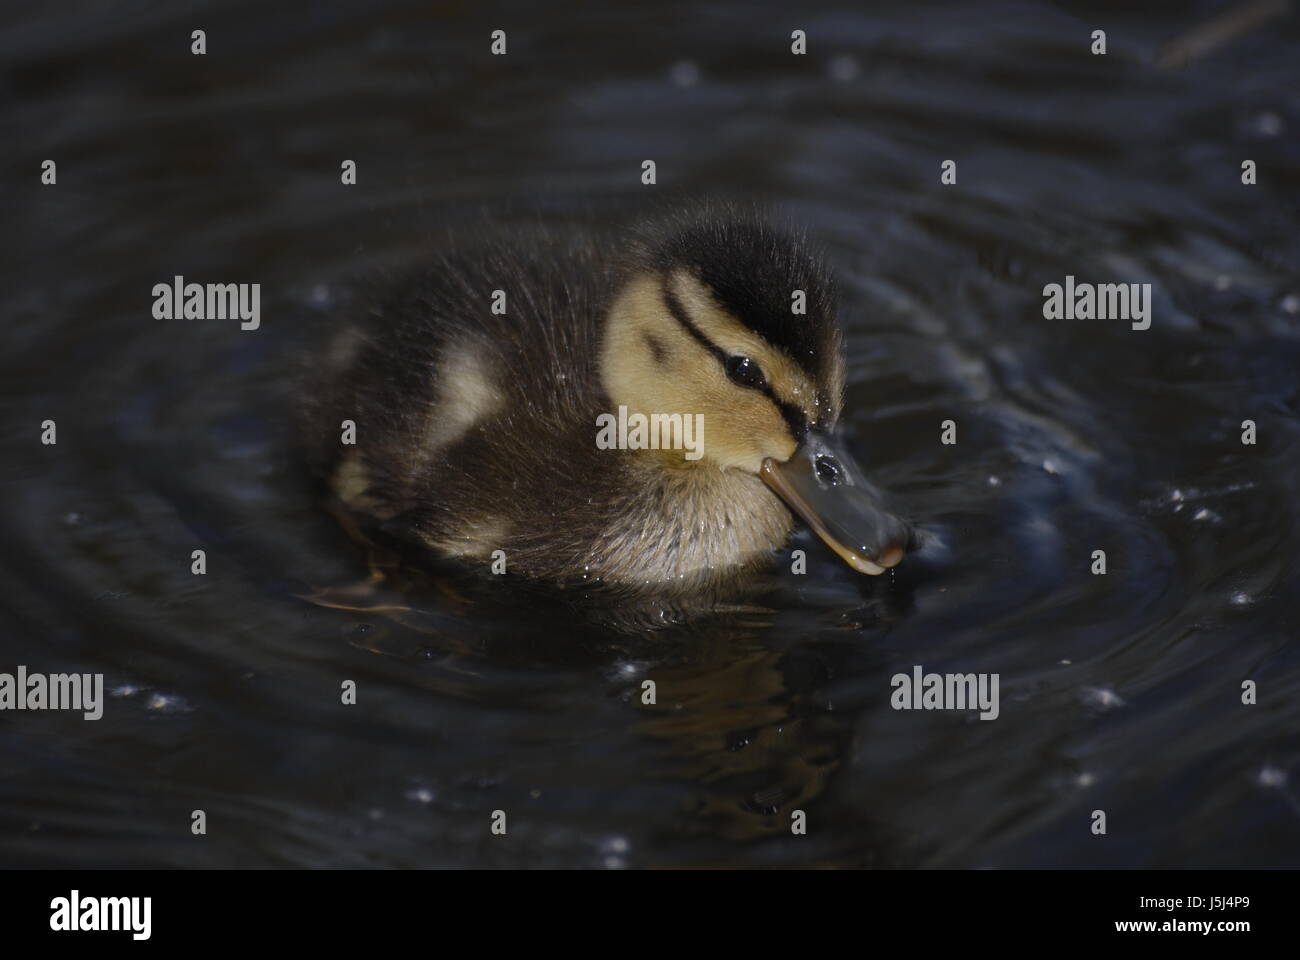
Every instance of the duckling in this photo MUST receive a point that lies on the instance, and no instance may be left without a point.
(479, 385)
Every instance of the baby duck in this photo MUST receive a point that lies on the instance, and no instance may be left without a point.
(479, 389)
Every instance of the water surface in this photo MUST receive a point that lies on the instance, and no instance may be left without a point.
(1119, 692)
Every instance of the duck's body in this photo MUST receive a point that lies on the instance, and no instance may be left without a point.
(476, 431)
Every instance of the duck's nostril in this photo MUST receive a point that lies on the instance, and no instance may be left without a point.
(828, 470)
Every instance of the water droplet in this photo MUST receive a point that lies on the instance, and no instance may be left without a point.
(1269, 124)
(1102, 697)
(844, 68)
(1270, 776)
(684, 73)
(166, 703)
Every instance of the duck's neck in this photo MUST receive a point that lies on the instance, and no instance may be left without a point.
(692, 525)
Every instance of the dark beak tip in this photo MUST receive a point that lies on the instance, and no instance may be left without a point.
(891, 556)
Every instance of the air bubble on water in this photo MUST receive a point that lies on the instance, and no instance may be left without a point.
(166, 703)
(1206, 515)
(844, 68)
(1102, 697)
(1291, 304)
(994, 482)
(1240, 599)
(1222, 282)
(125, 690)
(615, 844)
(684, 73)
(420, 795)
(613, 849)
(1084, 780)
(1271, 777)
(1066, 663)
(1268, 124)
(1050, 467)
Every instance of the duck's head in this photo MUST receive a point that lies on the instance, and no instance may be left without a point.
(735, 320)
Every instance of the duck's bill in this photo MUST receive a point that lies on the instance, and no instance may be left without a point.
(824, 487)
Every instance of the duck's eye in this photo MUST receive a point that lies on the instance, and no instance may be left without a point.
(745, 372)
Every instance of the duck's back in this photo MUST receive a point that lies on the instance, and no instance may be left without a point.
(472, 382)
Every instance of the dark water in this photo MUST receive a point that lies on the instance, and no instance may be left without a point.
(1119, 692)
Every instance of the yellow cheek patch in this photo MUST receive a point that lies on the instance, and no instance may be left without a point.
(653, 363)
(632, 372)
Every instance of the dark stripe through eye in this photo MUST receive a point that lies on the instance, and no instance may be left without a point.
(794, 417)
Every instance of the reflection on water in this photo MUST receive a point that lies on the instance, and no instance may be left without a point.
(1119, 692)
